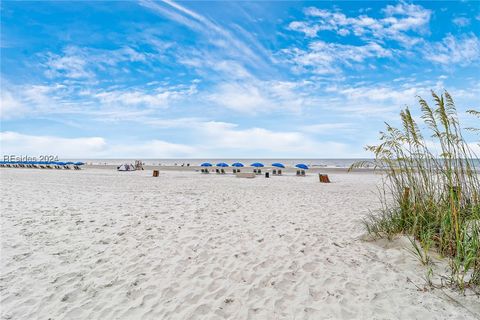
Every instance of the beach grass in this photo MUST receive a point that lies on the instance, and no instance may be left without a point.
(431, 190)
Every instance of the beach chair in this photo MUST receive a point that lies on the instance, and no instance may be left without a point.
(234, 170)
(274, 172)
(217, 171)
(302, 172)
(222, 171)
(298, 172)
(255, 171)
(238, 170)
(279, 172)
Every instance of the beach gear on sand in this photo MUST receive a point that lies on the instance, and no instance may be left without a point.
(302, 166)
(126, 167)
(257, 164)
(237, 164)
(222, 164)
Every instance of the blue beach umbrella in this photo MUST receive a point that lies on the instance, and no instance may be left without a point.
(301, 166)
(222, 164)
(79, 163)
(257, 164)
(206, 164)
(278, 165)
(69, 162)
(237, 164)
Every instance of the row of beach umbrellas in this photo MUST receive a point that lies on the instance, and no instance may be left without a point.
(255, 164)
(58, 163)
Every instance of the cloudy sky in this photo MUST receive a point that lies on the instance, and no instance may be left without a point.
(226, 80)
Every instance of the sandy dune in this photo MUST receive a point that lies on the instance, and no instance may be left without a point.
(99, 244)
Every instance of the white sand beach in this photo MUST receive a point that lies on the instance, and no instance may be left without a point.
(101, 244)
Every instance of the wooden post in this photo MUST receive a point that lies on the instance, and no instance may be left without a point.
(155, 173)
(323, 178)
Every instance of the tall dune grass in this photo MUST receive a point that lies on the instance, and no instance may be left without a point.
(431, 190)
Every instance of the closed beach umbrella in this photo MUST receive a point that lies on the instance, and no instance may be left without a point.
(237, 164)
(206, 164)
(302, 166)
(278, 165)
(222, 164)
(257, 164)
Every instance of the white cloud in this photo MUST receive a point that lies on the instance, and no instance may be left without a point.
(308, 29)
(19, 101)
(462, 50)
(254, 96)
(81, 63)
(328, 58)
(10, 106)
(461, 21)
(70, 66)
(235, 44)
(14, 143)
(228, 141)
(398, 23)
(328, 128)
(152, 98)
(151, 149)
(261, 142)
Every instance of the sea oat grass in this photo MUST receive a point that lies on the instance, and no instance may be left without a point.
(431, 189)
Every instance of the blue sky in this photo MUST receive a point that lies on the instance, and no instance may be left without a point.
(226, 80)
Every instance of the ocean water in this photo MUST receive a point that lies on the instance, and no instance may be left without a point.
(329, 163)
(314, 163)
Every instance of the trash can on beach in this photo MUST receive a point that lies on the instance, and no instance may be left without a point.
(267, 174)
